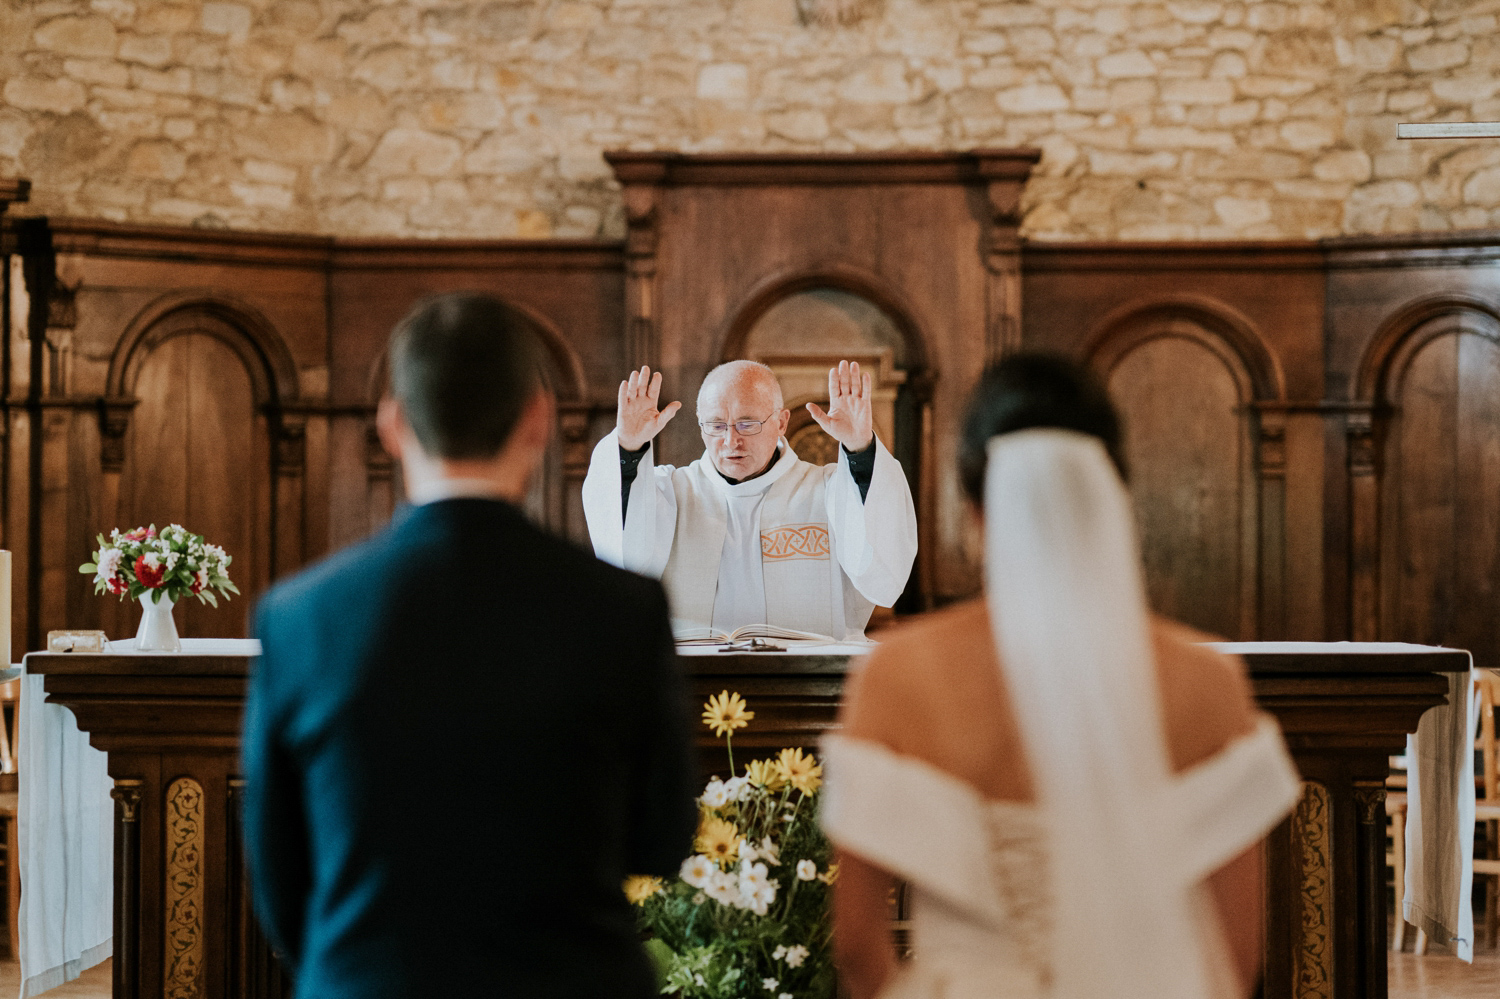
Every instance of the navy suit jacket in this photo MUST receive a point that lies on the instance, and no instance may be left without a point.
(460, 737)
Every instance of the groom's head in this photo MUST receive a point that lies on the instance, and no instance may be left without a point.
(466, 383)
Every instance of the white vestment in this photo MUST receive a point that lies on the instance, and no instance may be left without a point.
(794, 548)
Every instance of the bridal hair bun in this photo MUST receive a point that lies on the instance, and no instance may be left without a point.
(1029, 391)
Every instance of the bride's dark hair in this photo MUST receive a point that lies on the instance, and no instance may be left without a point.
(1030, 390)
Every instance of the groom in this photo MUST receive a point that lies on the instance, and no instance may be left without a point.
(464, 733)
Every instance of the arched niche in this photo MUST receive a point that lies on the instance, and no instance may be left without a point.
(1186, 394)
(802, 327)
(203, 381)
(1436, 393)
(554, 499)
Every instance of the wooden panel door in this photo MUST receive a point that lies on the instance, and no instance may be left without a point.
(1440, 545)
(197, 455)
(1188, 448)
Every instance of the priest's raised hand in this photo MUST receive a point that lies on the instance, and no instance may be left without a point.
(637, 420)
(848, 418)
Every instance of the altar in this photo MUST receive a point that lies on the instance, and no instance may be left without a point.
(182, 919)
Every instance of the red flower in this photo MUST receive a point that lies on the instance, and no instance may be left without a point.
(117, 586)
(148, 576)
(197, 584)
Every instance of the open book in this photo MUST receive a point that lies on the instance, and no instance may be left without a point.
(709, 636)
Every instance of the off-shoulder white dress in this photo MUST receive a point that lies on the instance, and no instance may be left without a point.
(978, 869)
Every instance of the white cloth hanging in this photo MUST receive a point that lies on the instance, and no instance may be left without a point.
(66, 839)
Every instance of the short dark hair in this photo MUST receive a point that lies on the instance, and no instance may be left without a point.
(463, 367)
(1030, 390)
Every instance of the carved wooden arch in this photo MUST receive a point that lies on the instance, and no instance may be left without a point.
(1411, 328)
(239, 325)
(768, 292)
(565, 360)
(1230, 336)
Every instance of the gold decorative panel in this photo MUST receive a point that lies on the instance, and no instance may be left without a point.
(183, 967)
(1312, 826)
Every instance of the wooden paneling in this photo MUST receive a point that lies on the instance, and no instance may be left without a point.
(1440, 538)
(197, 455)
(1188, 447)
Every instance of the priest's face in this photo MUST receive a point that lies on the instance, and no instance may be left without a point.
(738, 401)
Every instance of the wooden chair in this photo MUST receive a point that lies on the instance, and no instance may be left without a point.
(1487, 804)
(10, 693)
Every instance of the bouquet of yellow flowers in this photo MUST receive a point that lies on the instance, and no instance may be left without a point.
(747, 916)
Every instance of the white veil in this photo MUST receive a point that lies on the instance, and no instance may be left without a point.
(1068, 605)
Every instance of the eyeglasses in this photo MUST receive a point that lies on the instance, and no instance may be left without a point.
(745, 428)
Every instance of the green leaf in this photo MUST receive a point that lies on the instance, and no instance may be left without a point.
(88, 567)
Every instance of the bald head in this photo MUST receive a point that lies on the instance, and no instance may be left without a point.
(743, 377)
(743, 393)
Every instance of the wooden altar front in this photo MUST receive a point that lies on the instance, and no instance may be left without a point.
(1344, 708)
(182, 918)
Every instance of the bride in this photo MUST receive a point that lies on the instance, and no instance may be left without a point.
(1075, 790)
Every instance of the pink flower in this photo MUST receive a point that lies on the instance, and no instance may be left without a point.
(140, 534)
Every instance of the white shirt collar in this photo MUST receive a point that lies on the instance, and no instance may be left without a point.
(446, 489)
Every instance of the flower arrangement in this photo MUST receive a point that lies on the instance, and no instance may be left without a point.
(747, 915)
(173, 563)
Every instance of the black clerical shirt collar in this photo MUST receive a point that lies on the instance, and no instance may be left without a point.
(769, 465)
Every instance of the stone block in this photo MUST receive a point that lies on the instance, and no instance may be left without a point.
(149, 50)
(725, 81)
(221, 18)
(39, 93)
(1343, 165)
(878, 80)
(77, 36)
(1033, 98)
(801, 125)
(1197, 91)
(1240, 213)
(1483, 188)
(156, 160)
(1437, 55)
(1122, 65)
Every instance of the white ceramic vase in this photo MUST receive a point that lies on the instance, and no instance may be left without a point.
(158, 632)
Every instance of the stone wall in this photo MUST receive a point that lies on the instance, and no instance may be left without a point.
(1183, 119)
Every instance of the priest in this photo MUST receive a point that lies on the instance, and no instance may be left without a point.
(750, 534)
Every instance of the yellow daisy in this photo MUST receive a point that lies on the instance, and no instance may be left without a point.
(802, 772)
(639, 887)
(763, 773)
(725, 713)
(718, 840)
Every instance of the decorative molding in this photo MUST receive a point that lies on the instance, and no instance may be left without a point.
(1312, 831)
(1359, 427)
(183, 939)
(1370, 797)
(1272, 451)
(114, 424)
(290, 442)
(821, 169)
(127, 795)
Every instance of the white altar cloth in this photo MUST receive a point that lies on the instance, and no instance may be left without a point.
(66, 834)
(66, 841)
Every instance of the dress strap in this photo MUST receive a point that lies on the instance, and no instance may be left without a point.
(912, 819)
(1233, 799)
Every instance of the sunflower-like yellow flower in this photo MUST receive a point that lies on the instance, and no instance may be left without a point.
(804, 773)
(764, 773)
(639, 887)
(718, 840)
(725, 713)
